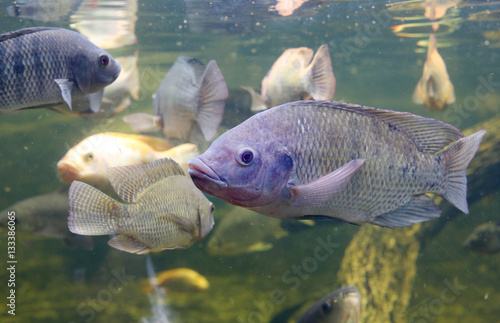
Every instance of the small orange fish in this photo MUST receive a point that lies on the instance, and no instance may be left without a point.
(434, 89)
(435, 9)
(88, 160)
(295, 77)
(179, 279)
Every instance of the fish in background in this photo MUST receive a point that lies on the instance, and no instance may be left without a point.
(287, 7)
(46, 216)
(436, 9)
(327, 159)
(295, 77)
(44, 10)
(434, 89)
(115, 97)
(44, 67)
(189, 103)
(89, 160)
(162, 210)
(484, 239)
(243, 231)
(178, 279)
(108, 24)
(341, 306)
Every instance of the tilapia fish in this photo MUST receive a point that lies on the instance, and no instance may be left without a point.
(338, 160)
(43, 67)
(163, 209)
(89, 160)
(340, 306)
(434, 89)
(189, 103)
(295, 77)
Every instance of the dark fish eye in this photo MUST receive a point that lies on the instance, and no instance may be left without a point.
(245, 156)
(104, 60)
(89, 157)
(326, 307)
(212, 208)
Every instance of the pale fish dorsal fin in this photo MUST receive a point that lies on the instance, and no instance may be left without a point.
(429, 135)
(129, 243)
(213, 93)
(327, 187)
(130, 181)
(157, 144)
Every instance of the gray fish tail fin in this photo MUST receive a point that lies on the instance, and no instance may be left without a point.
(142, 122)
(213, 95)
(459, 154)
(91, 212)
(322, 78)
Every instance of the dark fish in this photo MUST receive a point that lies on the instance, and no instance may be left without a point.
(43, 67)
(45, 216)
(163, 209)
(485, 239)
(189, 103)
(338, 160)
(340, 306)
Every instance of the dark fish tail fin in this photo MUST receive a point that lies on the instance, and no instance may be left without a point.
(212, 98)
(459, 154)
(91, 212)
(322, 78)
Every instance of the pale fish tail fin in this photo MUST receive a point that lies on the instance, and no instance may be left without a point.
(143, 122)
(258, 101)
(91, 212)
(458, 157)
(321, 73)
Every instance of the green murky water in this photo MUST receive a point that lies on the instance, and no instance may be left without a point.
(373, 66)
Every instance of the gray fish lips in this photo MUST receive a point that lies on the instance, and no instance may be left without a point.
(200, 170)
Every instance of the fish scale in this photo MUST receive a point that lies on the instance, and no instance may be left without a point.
(33, 58)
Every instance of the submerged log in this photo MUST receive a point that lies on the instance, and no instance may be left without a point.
(382, 263)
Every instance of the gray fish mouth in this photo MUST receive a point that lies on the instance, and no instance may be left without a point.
(200, 170)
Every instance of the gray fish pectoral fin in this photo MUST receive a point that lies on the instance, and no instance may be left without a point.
(419, 209)
(325, 188)
(66, 87)
(184, 224)
(95, 100)
(128, 244)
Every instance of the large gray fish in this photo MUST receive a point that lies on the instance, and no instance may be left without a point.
(340, 306)
(164, 209)
(189, 103)
(42, 67)
(338, 160)
(45, 216)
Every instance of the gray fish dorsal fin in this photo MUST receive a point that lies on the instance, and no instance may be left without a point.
(130, 181)
(429, 135)
(24, 31)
